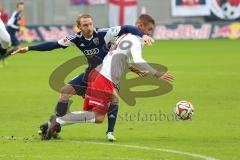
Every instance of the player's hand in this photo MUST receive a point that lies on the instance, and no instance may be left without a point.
(164, 76)
(20, 50)
(148, 40)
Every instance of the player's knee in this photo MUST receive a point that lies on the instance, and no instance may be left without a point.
(99, 118)
(67, 91)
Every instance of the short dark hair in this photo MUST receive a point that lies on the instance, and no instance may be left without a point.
(145, 19)
(82, 16)
(19, 3)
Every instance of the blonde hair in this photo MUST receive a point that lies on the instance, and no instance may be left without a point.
(78, 21)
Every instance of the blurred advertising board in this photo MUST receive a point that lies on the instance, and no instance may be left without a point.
(197, 31)
(87, 2)
(190, 8)
(224, 9)
(220, 30)
(210, 9)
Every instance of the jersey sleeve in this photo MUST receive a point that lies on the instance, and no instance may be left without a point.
(136, 51)
(46, 46)
(130, 29)
(111, 34)
(114, 32)
(67, 41)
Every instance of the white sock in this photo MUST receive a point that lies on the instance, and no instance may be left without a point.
(77, 117)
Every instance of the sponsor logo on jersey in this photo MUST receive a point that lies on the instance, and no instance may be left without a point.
(226, 9)
(91, 52)
(96, 41)
(82, 45)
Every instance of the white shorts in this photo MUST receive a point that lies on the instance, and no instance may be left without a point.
(5, 39)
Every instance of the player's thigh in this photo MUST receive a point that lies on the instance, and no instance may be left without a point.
(98, 107)
(79, 84)
(68, 90)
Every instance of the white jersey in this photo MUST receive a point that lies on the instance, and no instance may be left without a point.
(118, 58)
(5, 40)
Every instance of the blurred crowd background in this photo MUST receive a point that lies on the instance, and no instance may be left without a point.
(175, 19)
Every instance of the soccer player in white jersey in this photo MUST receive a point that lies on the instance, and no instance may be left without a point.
(5, 40)
(103, 79)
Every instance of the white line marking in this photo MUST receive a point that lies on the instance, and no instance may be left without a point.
(195, 155)
(147, 148)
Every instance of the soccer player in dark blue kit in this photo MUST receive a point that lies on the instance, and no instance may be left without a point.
(94, 43)
(13, 25)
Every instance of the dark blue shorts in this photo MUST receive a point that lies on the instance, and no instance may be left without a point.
(12, 32)
(79, 83)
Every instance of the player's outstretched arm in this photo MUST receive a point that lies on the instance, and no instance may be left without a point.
(136, 51)
(151, 71)
(138, 71)
(46, 46)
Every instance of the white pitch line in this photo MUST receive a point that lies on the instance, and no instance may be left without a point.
(195, 155)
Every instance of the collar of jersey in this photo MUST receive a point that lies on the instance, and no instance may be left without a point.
(94, 33)
(88, 38)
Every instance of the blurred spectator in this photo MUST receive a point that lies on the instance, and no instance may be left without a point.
(190, 2)
(3, 14)
(234, 2)
(13, 25)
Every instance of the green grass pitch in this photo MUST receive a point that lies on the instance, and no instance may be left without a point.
(207, 74)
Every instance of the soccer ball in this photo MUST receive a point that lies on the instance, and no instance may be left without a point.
(184, 110)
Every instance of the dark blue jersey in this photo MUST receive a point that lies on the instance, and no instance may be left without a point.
(97, 47)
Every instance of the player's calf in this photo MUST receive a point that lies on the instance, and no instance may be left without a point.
(63, 104)
(56, 123)
(112, 116)
(61, 109)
